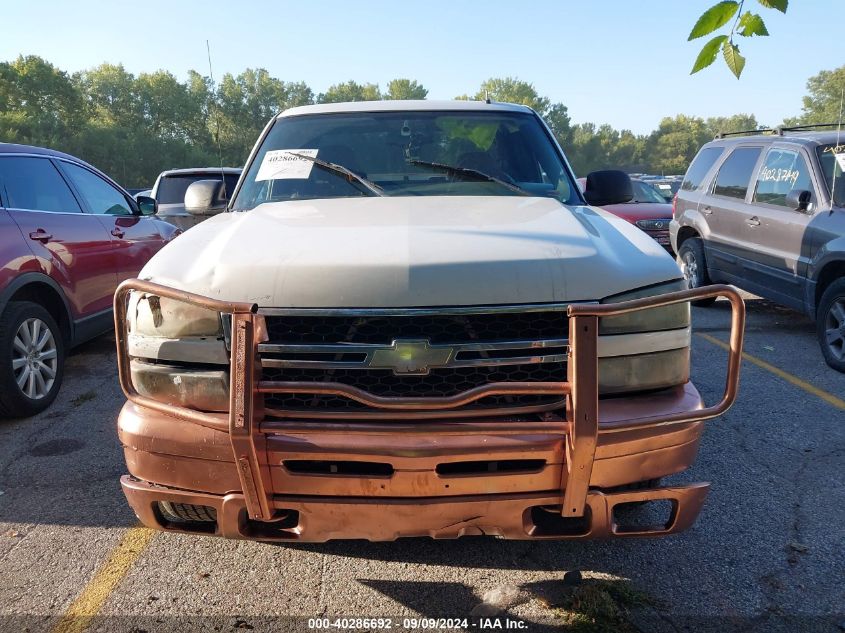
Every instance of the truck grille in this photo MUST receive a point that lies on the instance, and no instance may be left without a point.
(438, 328)
(414, 354)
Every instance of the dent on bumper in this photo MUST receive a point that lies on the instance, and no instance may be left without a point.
(180, 462)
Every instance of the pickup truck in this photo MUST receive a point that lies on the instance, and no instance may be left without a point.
(409, 322)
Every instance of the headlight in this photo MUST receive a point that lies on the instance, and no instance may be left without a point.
(658, 370)
(200, 389)
(661, 224)
(166, 337)
(150, 315)
(647, 349)
(664, 318)
(166, 329)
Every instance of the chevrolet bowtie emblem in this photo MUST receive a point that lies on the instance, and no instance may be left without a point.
(411, 356)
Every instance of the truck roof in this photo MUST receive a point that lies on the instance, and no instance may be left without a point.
(403, 106)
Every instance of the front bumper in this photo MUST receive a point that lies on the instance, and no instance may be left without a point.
(284, 479)
(175, 461)
(512, 516)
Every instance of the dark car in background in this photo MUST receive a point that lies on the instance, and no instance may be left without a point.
(647, 210)
(171, 185)
(68, 236)
(766, 211)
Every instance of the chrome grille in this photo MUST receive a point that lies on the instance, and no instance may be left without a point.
(459, 351)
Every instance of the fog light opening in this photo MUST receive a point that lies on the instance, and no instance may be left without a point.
(186, 517)
(548, 521)
(284, 526)
(644, 516)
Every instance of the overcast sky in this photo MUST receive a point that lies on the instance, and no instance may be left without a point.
(614, 61)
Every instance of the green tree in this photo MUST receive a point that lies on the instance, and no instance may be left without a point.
(824, 103)
(735, 123)
(675, 142)
(167, 107)
(512, 90)
(244, 105)
(629, 152)
(39, 104)
(603, 147)
(584, 151)
(200, 93)
(405, 89)
(350, 91)
(558, 120)
(110, 95)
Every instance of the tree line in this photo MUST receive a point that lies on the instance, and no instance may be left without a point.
(134, 126)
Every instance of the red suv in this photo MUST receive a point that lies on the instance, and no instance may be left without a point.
(68, 236)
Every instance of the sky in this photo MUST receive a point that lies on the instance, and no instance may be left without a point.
(609, 61)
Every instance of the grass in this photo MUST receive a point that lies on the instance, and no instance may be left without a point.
(598, 606)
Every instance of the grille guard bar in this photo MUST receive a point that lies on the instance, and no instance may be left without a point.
(243, 422)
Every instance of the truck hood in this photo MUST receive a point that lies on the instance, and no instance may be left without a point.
(411, 252)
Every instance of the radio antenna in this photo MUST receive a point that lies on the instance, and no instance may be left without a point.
(835, 160)
(216, 120)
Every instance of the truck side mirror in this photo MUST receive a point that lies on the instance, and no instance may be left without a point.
(798, 199)
(205, 197)
(608, 186)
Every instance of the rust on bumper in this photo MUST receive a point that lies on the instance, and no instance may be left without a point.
(243, 464)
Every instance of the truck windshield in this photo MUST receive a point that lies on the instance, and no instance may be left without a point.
(413, 153)
(831, 159)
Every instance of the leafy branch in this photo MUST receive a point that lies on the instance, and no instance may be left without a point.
(745, 24)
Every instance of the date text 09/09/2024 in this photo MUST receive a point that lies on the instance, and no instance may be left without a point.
(486, 623)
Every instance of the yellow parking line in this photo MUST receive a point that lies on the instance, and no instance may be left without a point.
(87, 605)
(819, 393)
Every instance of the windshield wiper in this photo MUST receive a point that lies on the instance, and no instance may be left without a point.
(340, 169)
(467, 171)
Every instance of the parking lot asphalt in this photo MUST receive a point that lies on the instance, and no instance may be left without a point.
(765, 555)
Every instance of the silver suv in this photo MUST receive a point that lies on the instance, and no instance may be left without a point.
(765, 210)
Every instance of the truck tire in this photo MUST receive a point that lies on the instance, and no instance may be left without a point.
(32, 359)
(186, 513)
(830, 325)
(692, 263)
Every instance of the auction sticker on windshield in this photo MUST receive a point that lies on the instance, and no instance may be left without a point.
(281, 164)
